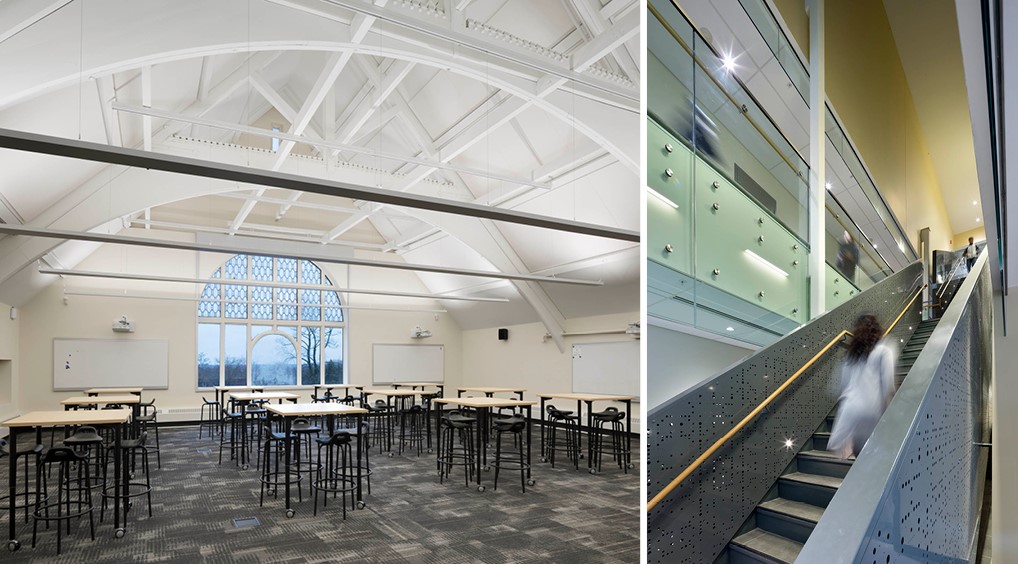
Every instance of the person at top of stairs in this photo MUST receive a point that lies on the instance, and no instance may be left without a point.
(867, 386)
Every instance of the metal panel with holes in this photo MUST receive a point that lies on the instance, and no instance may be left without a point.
(913, 494)
(696, 521)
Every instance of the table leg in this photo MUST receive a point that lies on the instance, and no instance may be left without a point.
(360, 440)
(459, 393)
(579, 436)
(120, 480)
(12, 485)
(438, 427)
(441, 391)
(482, 447)
(287, 424)
(519, 394)
(629, 432)
(544, 452)
(529, 429)
(590, 433)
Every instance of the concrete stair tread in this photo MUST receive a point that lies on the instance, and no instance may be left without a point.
(772, 546)
(797, 509)
(814, 479)
(826, 455)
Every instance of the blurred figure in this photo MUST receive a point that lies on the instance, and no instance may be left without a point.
(970, 254)
(848, 256)
(867, 386)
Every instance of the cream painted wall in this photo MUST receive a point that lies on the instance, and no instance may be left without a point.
(793, 12)
(47, 317)
(678, 361)
(9, 362)
(528, 361)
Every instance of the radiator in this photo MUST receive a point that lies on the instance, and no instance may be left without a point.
(176, 414)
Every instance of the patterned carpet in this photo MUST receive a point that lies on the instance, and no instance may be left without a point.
(568, 516)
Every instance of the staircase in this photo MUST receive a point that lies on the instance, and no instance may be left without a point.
(780, 525)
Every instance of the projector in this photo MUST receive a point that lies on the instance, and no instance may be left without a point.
(122, 325)
(418, 333)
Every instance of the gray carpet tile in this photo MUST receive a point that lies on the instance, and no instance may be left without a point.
(568, 516)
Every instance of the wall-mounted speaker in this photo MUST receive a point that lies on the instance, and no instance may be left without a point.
(503, 334)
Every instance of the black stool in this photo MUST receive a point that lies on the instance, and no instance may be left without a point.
(274, 478)
(571, 428)
(233, 417)
(412, 428)
(379, 413)
(302, 429)
(30, 496)
(211, 408)
(82, 441)
(134, 447)
(609, 422)
(63, 457)
(511, 460)
(336, 474)
(456, 446)
(148, 417)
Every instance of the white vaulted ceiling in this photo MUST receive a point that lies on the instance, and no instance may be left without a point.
(529, 105)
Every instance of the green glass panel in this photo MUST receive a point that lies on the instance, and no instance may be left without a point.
(669, 183)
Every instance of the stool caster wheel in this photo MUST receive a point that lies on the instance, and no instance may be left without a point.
(391, 455)
(531, 482)
(13, 546)
(593, 470)
(245, 467)
(119, 533)
(544, 459)
(361, 505)
(487, 468)
(630, 465)
(480, 488)
(582, 456)
(290, 513)
(430, 451)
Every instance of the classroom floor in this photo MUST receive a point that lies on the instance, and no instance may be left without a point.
(568, 516)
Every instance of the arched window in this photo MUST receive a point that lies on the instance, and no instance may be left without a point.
(271, 322)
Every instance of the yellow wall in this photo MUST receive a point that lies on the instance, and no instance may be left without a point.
(797, 21)
(867, 86)
(9, 334)
(960, 239)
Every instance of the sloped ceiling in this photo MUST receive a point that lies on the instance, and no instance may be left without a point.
(522, 104)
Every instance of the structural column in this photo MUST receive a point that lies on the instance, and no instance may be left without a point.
(817, 160)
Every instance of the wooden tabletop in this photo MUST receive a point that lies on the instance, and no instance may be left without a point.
(588, 397)
(485, 402)
(100, 400)
(390, 392)
(420, 384)
(492, 390)
(251, 396)
(297, 409)
(81, 417)
(342, 386)
(114, 390)
(237, 388)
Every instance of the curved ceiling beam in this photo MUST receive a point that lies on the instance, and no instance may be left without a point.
(110, 54)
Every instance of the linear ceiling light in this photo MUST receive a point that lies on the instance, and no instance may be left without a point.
(662, 197)
(186, 246)
(190, 299)
(172, 116)
(766, 263)
(154, 278)
(49, 145)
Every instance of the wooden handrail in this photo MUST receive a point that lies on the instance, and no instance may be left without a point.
(763, 405)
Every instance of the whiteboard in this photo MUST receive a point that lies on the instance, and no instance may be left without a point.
(79, 364)
(408, 363)
(607, 368)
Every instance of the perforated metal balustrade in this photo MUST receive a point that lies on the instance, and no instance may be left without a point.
(696, 521)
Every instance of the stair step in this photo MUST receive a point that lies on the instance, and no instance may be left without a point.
(820, 439)
(822, 462)
(797, 509)
(813, 489)
(767, 546)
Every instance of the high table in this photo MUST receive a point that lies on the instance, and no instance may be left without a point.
(330, 387)
(490, 392)
(589, 399)
(245, 398)
(39, 419)
(85, 401)
(421, 385)
(97, 391)
(389, 394)
(291, 410)
(483, 407)
(222, 391)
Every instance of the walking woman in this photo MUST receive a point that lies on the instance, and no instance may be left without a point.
(867, 386)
